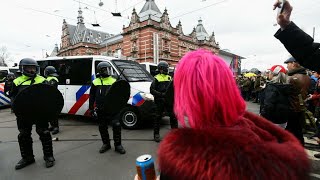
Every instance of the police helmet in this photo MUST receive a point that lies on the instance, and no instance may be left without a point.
(164, 67)
(11, 76)
(50, 71)
(104, 69)
(28, 67)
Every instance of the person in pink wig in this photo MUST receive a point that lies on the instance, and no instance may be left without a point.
(219, 139)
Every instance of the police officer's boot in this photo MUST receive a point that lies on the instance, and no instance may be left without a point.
(117, 139)
(49, 161)
(55, 130)
(46, 140)
(105, 139)
(156, 129)
(55, 126)
(25, 144)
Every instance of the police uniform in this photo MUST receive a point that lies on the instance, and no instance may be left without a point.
(25, 125)
(158, 89)
(29, 78)
(51, 76)
(99, 88)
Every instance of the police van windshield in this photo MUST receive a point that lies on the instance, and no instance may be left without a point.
(132, 71)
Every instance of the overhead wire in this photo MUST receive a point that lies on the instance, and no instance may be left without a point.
(190, 12)
(60, 16)
(91, 6)
(124, 10)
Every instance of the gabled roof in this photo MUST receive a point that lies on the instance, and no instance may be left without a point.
(150, 9)
(201, 32)
(80, 33)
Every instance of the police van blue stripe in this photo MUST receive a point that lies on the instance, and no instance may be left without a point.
(4, 99)
(3, 102)
(4, 96)
(81, 91)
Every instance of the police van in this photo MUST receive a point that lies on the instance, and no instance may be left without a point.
(77, 72)
(4, 100)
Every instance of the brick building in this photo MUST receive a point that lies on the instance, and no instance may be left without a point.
(149, 37)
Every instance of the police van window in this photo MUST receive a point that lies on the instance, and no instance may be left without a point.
(70, 71)
(78, 71)
(144, 66)
(132, 71)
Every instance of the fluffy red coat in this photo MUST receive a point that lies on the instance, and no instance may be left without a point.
(252, 149)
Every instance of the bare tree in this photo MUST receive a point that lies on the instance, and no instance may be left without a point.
(5, 56)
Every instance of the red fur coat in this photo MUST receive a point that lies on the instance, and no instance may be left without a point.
(252, 149)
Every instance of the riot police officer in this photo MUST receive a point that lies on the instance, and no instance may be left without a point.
(29, 69)
(158, 89)
(99, 88)
(50, 73)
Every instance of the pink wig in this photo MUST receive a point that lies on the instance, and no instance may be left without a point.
(206, 92)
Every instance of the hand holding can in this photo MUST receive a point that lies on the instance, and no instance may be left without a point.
(145, 167)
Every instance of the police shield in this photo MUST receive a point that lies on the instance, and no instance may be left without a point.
(117, 97)
(170, 95)
(38, 102)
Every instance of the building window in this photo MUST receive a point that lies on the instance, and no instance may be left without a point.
(99, 35)
(91, 33)
(88, 39)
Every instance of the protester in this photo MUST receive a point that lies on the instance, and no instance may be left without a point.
(219, 139)
(276, 105)
(300, 81)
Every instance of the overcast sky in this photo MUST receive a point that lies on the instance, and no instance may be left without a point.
(245, 27)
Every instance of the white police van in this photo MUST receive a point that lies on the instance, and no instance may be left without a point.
(4, 100)
(77, 72)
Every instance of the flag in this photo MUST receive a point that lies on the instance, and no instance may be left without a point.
(137, 100)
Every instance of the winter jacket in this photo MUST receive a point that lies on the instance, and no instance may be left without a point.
(245, 85)
(257, 84)
(276, 104)
(301, 46)
(301, 83)
(252, 149)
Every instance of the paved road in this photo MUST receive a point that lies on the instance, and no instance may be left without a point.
(77, 155)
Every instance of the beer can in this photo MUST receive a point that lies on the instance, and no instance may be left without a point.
(145, 167)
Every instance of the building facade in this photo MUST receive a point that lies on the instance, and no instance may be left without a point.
(149, 37)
